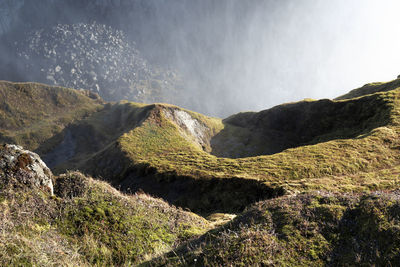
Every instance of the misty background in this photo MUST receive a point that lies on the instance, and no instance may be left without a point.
(216, 57)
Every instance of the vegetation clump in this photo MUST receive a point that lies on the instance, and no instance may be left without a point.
(117, 229)
(88, 223)
(71, 185)
(313, 229)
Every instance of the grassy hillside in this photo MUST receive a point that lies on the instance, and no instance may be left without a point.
(298, 124)
(87, 222)
(82, 138)
(318, 229)
(340, 145)
(32, 113)
(159, 143)
(344, 154)
(371, 88)
(288, 159)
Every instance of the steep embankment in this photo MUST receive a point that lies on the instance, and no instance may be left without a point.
(85, 222)
(341, 145)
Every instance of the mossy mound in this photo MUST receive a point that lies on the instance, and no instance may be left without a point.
(316, 229)
(88, 223)
(118, 229)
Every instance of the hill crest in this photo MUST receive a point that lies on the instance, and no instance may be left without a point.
(137, 146)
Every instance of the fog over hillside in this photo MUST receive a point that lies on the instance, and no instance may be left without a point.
(218, 57)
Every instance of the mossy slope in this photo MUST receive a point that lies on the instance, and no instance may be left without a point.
(350, 158)
(298, 124)
(83, 138)
(371, 88)
(88, 223)
(32, 113)
(317, 229)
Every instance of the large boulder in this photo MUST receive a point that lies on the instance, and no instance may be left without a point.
(23, 167)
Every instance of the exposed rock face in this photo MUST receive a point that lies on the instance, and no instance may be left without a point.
(24, 167)
(193, 127)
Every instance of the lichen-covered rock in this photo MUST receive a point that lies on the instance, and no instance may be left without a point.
(23, 167)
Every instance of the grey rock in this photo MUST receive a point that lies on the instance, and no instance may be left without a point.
(24, 167)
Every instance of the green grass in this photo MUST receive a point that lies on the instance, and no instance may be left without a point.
(350, 147)
(89, 223)
(31, 113)
(343, 145)
(159, 144)
(317, 229)
(342, 152)
(371, 88)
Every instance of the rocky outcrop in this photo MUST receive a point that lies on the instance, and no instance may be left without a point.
(23, 167)
(190, 127)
